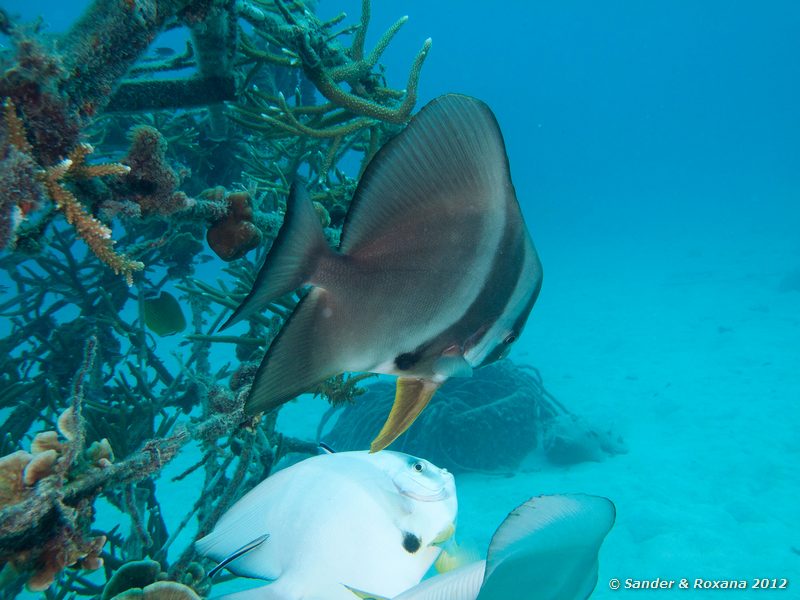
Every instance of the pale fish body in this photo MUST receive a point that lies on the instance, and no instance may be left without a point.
(546, 549)
(435, 275)
(333, 518)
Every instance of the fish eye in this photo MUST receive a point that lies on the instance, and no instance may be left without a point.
(418, 467)
(510, 339)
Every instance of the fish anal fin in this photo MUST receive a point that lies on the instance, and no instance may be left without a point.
(411, 397)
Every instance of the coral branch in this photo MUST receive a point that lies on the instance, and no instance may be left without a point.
(96, 235)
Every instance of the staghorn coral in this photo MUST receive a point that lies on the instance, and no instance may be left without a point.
(54, 181)
(306, 44)
(135, 402)
(20, 189)
(96, 234)
(33, 83)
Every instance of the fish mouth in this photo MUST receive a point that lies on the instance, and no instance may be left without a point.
(440, 494)
(430, 494)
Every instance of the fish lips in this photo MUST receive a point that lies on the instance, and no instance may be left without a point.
(424, 493)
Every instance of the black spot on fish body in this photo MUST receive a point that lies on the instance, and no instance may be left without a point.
(406, 360)
(411, 543)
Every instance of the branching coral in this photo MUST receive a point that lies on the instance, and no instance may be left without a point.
(306, 44)
(46, 498)
(43, 529)
(55, 180)
(111, 436)
(96, 234)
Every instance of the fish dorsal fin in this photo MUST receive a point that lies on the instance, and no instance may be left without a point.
(238, 553)
(291, 260)
(450, 158)
(549, 546)
(412, 395)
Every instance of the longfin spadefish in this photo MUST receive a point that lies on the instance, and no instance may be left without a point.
(548, 544)
(291, 259)
(449, 160)
(412, 395)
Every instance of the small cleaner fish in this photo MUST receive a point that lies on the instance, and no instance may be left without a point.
(435, 275)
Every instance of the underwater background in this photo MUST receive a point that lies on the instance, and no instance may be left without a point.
(654, 150)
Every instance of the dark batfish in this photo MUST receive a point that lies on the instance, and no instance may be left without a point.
(163, 314)
(435, 275)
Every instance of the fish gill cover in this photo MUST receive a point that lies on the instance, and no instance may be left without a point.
(116, 162)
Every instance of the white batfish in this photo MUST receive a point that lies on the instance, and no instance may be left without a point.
(374, 521)
(435, 275)
(546, 549)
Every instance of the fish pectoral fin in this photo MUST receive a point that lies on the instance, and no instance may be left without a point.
(364, 595)
(411, 397)
(249, 546)
(301, 356)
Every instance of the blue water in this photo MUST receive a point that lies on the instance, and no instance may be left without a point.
(654, 150)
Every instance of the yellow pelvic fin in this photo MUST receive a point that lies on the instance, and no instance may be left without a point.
(444, 535)
(455, 556)
(364, 595)
(411, 397)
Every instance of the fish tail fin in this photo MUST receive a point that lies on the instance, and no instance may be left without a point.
(292, 259)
